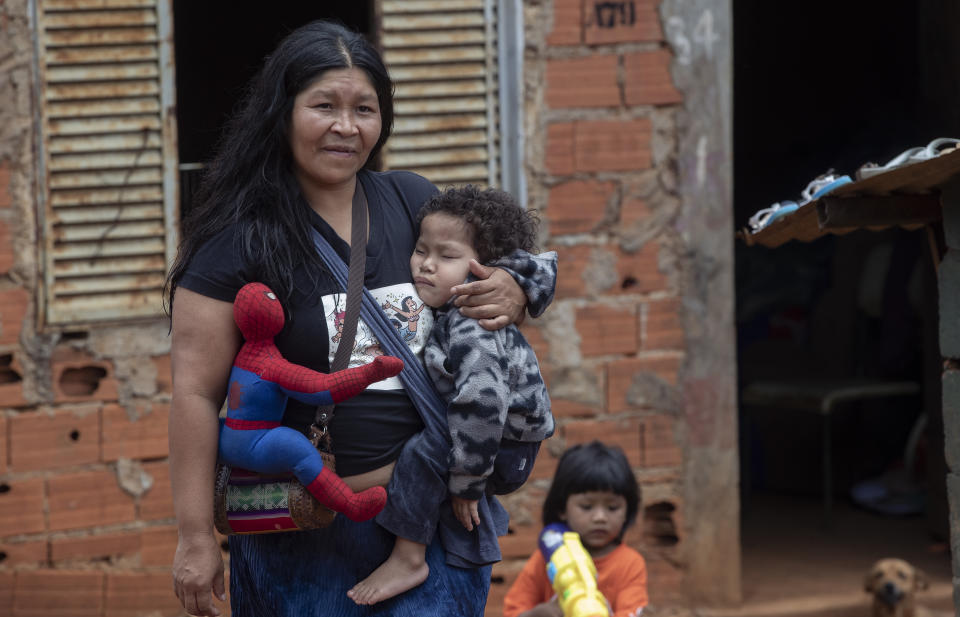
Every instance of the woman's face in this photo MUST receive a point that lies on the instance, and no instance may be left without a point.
(334, 125)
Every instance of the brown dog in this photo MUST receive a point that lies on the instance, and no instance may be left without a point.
(893, 583)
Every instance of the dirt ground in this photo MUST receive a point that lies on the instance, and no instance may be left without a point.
(795, 566)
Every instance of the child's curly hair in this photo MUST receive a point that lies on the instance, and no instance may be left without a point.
(497, 224)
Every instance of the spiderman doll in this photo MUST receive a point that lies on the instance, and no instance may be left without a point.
(251, 436)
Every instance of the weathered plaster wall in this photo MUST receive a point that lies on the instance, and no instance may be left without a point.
(17, 178)
(700, 33)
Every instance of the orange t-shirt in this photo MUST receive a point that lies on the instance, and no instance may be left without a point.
(621, 577)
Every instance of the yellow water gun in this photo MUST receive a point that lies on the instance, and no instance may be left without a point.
(571, 573)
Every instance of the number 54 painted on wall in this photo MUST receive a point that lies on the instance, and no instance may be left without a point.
(701, 40)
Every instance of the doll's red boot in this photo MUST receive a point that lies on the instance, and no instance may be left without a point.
(332, 492)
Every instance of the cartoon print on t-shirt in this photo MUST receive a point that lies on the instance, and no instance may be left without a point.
(414, 326)
(369, 347)
(338, 318)
(407, 317)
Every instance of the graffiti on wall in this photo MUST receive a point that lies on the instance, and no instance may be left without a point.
(615, 14)
(688, 42)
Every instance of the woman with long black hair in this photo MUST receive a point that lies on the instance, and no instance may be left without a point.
(292, 158)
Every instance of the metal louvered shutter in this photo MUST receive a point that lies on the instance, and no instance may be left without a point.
(109, 157)
(442, 56)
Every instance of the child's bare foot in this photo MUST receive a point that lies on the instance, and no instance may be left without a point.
(404, 569)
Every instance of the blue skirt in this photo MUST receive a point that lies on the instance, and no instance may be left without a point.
(307, 573)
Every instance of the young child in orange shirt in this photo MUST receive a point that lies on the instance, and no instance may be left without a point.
(595, 493)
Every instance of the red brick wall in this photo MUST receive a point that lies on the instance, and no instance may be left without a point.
(615, 326)
(77, 536)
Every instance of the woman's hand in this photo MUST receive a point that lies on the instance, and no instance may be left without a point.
(495, 300)
(466, 512)
(198, 573)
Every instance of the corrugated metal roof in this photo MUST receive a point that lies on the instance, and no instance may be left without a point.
(904, 196)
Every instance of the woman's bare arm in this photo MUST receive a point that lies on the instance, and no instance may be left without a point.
(205, 342)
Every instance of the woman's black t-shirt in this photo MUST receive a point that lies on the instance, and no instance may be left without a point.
(368, 430)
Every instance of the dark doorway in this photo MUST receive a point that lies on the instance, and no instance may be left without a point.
(828, 86)
(218, 47)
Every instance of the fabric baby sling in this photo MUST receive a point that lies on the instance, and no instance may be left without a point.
(246, 502)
